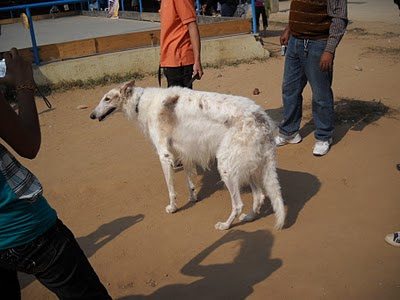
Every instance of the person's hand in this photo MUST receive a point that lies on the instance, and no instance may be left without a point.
(326, 62)
(19, 71)
(198, 69)
(285, 36)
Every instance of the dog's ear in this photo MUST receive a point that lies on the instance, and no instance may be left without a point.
(127, 88)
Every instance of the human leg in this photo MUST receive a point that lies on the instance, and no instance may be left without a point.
(294, 81)
(58, 262)
(264, 18)
(322, 95)
(9, 282)
(70, 275)
(258, 14)
(178, 76)
(187, 76)
(227, 10)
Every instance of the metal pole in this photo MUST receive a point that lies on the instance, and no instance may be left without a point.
(253, 10)
(34, 45)
(88, 5)
(122, 5)
(81, 6)
(198, 7)
(140, 6)
(42, 4)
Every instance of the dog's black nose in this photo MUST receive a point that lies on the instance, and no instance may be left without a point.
(93, 116)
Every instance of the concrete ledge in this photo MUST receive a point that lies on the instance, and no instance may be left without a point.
(145, 60)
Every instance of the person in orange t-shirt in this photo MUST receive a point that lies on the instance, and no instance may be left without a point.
(180, 42)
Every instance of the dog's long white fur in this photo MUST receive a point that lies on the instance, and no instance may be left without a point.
(196, 127)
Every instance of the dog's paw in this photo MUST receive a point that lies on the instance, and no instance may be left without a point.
(247, 218)
(279, 226)
(193, 198)
(221, 226)
(171, 209)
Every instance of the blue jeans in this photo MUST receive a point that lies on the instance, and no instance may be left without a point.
(227, 10)
(301, 66)
(57, 261)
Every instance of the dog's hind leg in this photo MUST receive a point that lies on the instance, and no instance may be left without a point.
(190, 185)
(237, 204)
(258, 200)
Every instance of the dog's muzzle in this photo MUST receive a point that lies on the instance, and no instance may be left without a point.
(105, 115)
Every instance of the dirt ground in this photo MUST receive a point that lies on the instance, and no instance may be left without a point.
(106, 183)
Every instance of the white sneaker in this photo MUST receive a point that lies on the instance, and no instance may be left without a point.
(280, 141)
(322, 147)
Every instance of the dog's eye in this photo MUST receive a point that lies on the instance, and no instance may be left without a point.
(107, 99)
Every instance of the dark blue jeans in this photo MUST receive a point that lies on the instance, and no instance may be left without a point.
(227, 10)
(301, 66)
(57, 261)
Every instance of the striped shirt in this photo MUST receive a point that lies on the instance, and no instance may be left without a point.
(337, 10)
(24, 212)
(23, 183)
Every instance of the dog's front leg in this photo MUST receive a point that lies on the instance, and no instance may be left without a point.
(167, 161)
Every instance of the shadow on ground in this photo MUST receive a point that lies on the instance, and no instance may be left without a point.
(350, 114)
(233, 280)
(94, 241)
(297, 189)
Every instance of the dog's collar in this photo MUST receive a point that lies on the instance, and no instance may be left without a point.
(138, 101)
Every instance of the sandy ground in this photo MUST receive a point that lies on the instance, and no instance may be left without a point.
(105, 181)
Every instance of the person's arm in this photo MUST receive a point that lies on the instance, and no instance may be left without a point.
(285, 36)
(196, 44)
(337, 10)
(21, 131)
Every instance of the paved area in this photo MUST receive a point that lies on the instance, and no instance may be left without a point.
(82, 27)
(60, 30)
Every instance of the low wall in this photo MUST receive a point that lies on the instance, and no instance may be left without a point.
(145, 60)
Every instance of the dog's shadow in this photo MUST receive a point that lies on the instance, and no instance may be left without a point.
(297, 189)
(94, 241)
(224, 280)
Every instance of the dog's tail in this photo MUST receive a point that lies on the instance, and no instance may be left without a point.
(273, 189)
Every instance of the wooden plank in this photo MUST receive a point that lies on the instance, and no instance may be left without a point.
(48, 53)
(77, 48)
(128, 41)
(224, 28)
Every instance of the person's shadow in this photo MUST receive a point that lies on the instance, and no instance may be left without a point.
(350, 114)
(232, 280)
(94, 241)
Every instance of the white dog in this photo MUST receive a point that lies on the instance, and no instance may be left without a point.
(196, 127)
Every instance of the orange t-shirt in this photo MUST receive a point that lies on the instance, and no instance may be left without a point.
(176, 48)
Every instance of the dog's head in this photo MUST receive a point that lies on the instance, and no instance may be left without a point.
(113, 101)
